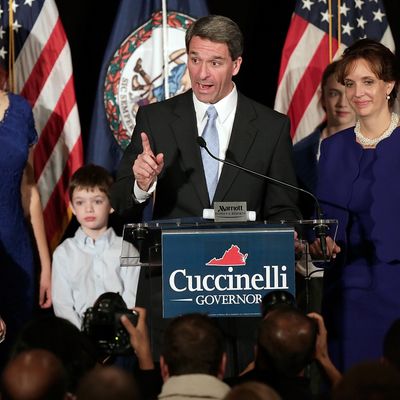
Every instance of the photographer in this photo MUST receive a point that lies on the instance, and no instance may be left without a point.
(102, 325)
(149, 375)
(321, 351)
(192, 361)
(288, 340)
(139, 339)
(121, 338)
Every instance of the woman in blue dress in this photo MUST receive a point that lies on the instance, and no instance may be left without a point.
(20, 213)
(359, 184)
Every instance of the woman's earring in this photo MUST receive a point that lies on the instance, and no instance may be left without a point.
(388, 97)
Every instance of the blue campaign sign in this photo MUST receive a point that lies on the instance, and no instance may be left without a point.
(225, 272)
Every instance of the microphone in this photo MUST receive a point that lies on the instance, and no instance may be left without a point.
(320, 229)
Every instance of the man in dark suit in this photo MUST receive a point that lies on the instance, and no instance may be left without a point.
(164, 163)
(166, 157)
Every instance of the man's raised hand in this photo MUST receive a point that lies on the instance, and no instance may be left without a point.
(147, 166)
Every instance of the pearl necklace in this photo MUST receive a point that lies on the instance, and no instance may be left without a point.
(394, 121)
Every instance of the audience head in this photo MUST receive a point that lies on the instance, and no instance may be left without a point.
(275, 299)
(252, 391)
(391, 344)
(193, 344)
(34, 375)
(339, 114)
(107, 383)
(63, 339)
(380, 60)
(369, 381)
(286, 342)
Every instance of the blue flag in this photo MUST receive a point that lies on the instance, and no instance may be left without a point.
(133, 69)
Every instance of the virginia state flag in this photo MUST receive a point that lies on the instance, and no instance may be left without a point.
(133, 71)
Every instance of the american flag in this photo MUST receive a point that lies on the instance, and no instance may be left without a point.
(319, 32)
(35, 61)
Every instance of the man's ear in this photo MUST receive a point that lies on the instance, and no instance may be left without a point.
(164, 369)
(111, 210)
(236, 66)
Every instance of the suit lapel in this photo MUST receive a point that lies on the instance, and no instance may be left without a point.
(242, 137)
(184, 128)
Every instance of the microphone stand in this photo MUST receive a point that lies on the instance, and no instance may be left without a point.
(320, 228)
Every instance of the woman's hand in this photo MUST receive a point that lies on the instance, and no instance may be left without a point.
(33, 210)
(45, 288)
(332, 249)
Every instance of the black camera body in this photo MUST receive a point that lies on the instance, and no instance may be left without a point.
(102, 324)
(275, 299)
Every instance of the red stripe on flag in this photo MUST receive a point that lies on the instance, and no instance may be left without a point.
(54, 126)
(44, 64)
(309, 82)
(56, 209)
(57, 205)
(295, 33)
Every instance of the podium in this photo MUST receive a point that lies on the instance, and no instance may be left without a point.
(222, 269)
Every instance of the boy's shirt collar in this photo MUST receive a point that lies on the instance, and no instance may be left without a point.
(85, 240)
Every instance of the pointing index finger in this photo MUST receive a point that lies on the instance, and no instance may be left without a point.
(146, 144)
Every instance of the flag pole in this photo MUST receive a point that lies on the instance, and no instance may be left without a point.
(330, 30)
(339, 32)
(165, 47)
(11, 48)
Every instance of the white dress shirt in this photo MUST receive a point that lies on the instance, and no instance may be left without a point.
(83, 269)
(226, 109)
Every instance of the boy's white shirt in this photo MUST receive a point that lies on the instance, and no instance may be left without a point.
(83, 269)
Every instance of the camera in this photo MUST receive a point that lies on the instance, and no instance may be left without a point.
(275, 299)
(101, 323)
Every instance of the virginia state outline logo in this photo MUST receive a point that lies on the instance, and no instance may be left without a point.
(232, 257)
(135, 73)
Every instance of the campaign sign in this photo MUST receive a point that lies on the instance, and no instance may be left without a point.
(225, 272)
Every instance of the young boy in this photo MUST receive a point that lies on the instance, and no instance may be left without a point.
(88, 265)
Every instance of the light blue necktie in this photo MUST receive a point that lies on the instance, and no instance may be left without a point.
(210, 135)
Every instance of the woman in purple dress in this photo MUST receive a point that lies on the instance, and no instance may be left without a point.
(359, 184)
(20, 207)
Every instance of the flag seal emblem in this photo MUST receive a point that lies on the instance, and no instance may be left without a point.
(135, 73)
